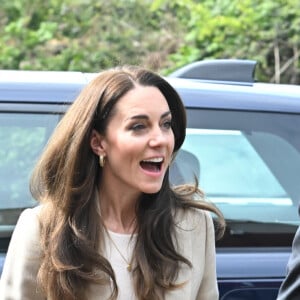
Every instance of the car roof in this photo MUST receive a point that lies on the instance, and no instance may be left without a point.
(257, 96)
(64, 86)
(41, 86)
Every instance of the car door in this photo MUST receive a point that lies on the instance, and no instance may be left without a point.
(248, 165)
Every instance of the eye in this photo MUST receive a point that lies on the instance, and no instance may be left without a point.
(137, 127)
(167, 124)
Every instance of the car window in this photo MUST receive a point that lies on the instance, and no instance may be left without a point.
(22, 138)
(248, 165)
(232, 171)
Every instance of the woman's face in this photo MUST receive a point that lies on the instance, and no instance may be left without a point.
(139, 141)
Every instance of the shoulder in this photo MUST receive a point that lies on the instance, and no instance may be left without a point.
(25, 240)
(29, 216)
(30, 212)
(27, 227)
(193, 219)
(195, 238)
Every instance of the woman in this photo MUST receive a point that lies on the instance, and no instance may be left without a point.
(110, 226)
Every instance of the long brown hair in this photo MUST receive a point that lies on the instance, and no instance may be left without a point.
(65, 180)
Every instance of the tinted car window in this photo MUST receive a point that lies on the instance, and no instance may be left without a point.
(22, 138)
(233, 171)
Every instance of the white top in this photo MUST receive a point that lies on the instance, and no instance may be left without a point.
(125, 245)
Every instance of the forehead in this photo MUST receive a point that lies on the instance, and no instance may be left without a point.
(146, 99)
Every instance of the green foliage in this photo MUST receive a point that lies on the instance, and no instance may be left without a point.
(89, 35)
(85, 35)
(267, 31)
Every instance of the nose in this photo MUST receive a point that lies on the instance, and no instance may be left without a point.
(158, 138)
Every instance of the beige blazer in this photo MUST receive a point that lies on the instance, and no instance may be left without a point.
(196, 242)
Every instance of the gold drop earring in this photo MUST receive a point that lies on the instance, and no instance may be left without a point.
(101, 160)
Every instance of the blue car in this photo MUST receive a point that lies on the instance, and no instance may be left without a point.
(243, 143)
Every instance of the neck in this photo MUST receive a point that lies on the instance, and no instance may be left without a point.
(118, 210)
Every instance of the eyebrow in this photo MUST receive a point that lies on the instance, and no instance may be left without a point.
(147, 117)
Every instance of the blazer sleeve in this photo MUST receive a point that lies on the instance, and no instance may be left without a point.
(290, 288)
(209, 288)
(19, 277)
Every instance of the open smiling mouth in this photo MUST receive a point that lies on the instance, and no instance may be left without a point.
(152, 165)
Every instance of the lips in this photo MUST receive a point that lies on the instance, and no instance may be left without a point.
(152, 164)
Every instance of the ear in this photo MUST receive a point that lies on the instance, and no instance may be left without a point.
(97, 143)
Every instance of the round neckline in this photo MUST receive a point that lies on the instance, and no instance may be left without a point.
(119, 234)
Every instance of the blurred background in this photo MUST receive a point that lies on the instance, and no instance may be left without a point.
(163, 35)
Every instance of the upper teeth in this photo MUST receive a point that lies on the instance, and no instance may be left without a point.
(154, 160)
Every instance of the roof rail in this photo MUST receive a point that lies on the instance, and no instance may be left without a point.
(233, 70)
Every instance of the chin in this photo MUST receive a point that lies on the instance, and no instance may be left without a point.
(151, 189)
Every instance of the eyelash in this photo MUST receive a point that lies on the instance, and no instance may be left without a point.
(139, 126)
(167, 124)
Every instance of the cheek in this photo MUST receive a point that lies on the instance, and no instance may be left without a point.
(122, 146)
